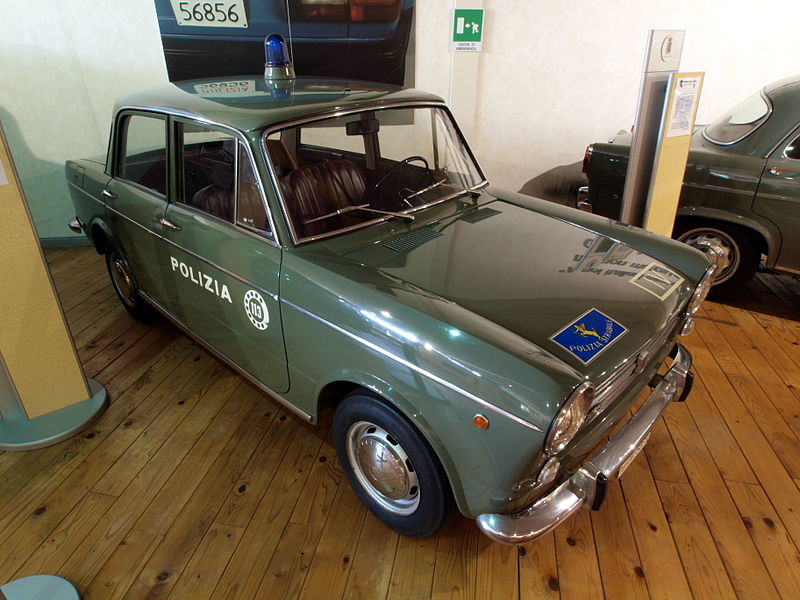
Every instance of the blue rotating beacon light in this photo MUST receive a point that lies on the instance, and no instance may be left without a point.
(278, 66)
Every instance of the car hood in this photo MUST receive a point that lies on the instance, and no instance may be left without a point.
(538, 276)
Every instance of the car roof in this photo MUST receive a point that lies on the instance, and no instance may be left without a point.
(251, 103)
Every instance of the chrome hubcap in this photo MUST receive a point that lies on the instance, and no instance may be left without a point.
(721, 248)
(383, 468)
(122, 279)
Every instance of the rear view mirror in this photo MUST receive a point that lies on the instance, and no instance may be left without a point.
(363, 127)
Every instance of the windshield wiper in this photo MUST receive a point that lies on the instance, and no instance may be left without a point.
(364, 207)
(423, 190)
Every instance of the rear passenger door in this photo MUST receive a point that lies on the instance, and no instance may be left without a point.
(136, 196)
(223, 260)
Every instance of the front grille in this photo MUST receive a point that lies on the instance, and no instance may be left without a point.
(616, 383)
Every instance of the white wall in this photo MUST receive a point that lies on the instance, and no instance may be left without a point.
(556, 76)
(63, 63)
(552, 77)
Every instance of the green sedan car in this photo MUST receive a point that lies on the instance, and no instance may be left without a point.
(338, 245)
(741, 190)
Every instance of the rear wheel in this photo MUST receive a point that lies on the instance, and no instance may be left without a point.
(125, 286)
(390, 466)
(731, 246)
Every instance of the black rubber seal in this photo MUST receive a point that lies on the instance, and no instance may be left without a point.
(601, 485)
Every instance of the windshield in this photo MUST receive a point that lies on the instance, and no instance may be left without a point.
(347, 172)
(735, 124)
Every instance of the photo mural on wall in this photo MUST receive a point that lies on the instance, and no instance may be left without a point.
(352, 39)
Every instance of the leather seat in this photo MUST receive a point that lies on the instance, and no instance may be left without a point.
(322, 188)
(216, 200)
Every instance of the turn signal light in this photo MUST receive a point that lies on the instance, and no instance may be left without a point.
(480, 421)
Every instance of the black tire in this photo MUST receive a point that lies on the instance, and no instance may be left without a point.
(737, 243)
(125, 287)
(415, 498)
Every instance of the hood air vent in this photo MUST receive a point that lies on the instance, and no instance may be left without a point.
(479, 215)
(412, 240)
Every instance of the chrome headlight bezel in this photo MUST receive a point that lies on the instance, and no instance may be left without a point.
(701, 291)
(570, 419)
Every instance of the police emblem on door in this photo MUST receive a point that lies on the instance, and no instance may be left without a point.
(256, 309)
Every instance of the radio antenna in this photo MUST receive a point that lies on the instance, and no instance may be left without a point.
(291, 39)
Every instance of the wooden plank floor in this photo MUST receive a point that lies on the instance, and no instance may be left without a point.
(195, 485)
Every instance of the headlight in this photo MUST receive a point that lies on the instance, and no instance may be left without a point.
(701, 291)
(569, 419)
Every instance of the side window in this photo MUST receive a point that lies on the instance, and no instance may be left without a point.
(143, 152)
(207, 170)
(251, 211)
(793, 150)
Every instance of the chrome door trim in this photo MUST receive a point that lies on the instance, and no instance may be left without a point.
(451, 386)
(217, 354)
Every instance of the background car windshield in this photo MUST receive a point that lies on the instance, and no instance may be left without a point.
(396, 160)
(735, 124)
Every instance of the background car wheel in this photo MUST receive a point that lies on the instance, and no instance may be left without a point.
(734, 244)
(125, 287)
(390, 466)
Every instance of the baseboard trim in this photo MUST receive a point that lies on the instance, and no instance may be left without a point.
(55, 242)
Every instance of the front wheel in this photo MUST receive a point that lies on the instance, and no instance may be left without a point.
(390, 466)
(125, 287)
(731, 246)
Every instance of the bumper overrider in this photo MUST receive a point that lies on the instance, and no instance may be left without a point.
(587, 486)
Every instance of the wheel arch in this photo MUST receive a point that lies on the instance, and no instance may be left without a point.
(339, 384)
(765, 235)
(100, 234)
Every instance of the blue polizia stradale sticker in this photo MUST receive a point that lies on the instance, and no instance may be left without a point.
(588, 335)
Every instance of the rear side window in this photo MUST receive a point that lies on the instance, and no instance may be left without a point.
(143, 153)
(740, 121)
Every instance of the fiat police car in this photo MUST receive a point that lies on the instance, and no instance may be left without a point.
(338, 245)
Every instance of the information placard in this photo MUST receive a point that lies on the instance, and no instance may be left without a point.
(467, 30)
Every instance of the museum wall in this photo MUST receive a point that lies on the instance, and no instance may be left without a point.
(63, 63)
(552, 77)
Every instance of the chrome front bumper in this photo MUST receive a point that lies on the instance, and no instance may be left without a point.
(587, 486)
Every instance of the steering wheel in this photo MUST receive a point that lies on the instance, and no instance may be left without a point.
(388, 173)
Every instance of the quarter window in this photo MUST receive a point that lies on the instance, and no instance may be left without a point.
(251, 213)
(793, 150)
(144, 152)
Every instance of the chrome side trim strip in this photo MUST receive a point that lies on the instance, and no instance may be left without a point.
(415, 368)
(211, 264)
(214, 352)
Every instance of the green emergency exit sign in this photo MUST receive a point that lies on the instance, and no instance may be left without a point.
(467, 32)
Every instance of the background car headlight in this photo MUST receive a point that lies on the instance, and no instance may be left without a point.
(569, 419)
(701, 291)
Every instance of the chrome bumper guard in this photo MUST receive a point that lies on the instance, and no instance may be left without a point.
(587, 486)
(75, 225)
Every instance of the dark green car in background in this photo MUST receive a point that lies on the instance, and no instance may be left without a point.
(337, 244)
(741, 190)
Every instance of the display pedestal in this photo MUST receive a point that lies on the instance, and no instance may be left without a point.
(39, 587)
(20, 433)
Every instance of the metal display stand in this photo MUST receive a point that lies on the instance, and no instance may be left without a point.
(39, 587)
(44, 394)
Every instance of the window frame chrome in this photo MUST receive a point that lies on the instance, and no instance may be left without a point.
(296, 239)
(272, 238)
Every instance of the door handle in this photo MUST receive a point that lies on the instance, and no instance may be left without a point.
(775, 171)
(108, 194)
(169, 224)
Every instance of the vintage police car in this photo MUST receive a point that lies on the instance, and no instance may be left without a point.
(338, 244)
